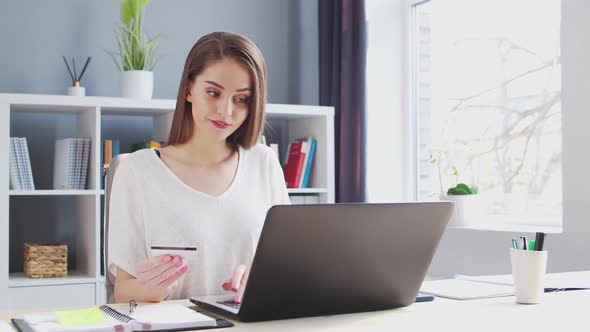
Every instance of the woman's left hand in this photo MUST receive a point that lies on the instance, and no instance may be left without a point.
(237, 282)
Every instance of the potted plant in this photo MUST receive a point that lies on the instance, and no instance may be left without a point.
(135, 59)
(468, 207)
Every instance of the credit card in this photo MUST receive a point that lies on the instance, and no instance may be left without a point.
(185, 252)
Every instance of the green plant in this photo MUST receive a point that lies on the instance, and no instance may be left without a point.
(136, 50)
(462, 189)
(459, 189)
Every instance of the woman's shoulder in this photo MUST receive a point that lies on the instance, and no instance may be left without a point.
(137, 160)
(258, 153)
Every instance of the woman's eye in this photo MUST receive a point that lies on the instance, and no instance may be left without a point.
(212, 93)
(243, 100)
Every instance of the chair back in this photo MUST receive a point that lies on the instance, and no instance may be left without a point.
(109, 172)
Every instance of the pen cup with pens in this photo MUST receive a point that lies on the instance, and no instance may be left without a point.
(529, 264)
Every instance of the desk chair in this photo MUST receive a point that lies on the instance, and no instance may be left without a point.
(109, 172)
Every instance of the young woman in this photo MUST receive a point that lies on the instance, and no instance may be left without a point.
(210, 187)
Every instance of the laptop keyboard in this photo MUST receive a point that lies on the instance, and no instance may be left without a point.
(230, 303)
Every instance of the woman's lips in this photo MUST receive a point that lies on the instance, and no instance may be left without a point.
(220, 124)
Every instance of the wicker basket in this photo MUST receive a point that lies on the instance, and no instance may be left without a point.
(46, 260)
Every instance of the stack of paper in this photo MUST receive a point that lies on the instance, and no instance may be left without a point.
(21, 174)
(70, 166)
(459, 289)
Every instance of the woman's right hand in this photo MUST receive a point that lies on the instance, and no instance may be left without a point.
(155, 279)
(161, 273)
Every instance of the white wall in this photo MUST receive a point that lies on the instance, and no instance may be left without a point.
(35, 34)
(486, 252)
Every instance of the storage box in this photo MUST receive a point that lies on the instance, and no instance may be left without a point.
(46, 260)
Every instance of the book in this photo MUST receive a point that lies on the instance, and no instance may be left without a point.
(148, 317)
(294, 167)
(15, 180)
(85, 160)
(63, 164)
(70, 164)
(79, 146)
(28, 183)
(20, 162)
(115, 148)
(307, 164)
(108, 151)
(24, 164)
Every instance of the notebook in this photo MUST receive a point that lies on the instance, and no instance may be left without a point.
(458, 289)
(149, 317)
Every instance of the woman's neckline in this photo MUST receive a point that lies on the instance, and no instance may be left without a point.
(177, 179)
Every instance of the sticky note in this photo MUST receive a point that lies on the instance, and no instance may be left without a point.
(80, 316)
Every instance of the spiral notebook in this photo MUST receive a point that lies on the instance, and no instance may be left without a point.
(149, 317)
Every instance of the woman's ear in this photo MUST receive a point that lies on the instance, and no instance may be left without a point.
(188, 96)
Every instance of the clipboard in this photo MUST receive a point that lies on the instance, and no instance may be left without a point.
(22, 326)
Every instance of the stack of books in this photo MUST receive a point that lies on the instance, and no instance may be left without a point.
(21, 175)
(110, 148)
(299, 161)
(70, 166)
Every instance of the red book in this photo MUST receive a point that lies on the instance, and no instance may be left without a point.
(293, 170)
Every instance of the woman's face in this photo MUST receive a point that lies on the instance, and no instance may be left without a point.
(220, 98)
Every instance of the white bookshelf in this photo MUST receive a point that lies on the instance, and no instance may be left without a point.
(74, 216)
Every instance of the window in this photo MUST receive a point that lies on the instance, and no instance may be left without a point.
(487, 104)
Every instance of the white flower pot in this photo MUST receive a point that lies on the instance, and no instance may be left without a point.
(78, 91)
(137, 84)
(467, 210)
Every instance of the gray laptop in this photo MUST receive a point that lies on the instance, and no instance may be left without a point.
(330, 259)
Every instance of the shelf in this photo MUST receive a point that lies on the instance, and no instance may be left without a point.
(20, 280)
(51, 192)
(66, 104)
(307, 190)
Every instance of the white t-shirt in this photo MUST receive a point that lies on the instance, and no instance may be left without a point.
(150, 205)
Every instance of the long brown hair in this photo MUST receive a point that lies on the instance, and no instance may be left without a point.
(208, 49)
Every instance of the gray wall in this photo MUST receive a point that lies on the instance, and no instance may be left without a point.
(476, 252)
(34, 34)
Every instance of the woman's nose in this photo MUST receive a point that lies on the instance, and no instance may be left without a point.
(225, 108)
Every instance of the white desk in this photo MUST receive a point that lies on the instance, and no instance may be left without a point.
(559, 311)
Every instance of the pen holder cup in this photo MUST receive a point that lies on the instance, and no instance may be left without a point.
(528, 274)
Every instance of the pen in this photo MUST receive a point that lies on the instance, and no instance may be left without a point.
(514, 243)
(132, 306)
(523, 241)
(539, 241)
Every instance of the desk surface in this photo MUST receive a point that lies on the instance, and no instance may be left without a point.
(556, 312)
